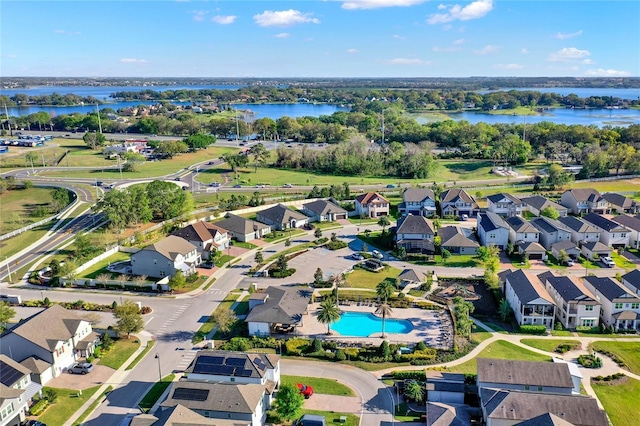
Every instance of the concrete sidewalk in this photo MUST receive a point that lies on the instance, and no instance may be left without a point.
(114, 381)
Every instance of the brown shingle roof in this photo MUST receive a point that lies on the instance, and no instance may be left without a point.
(369, 197)
(171, 247)
(224, 397)
(200, 231)
(514, 372)
(48, 327)
(36, 365)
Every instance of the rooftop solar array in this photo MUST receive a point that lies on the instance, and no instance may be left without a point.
(8, 374)
(228, 366)
(188, 394)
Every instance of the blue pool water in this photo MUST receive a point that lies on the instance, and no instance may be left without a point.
(362, 324)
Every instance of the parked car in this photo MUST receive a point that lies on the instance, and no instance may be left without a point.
(81, 368)
(35, 423)
(608, 262)
(464, 217)
(178, 179)
(311, 420)
(570, 262)
(391, 186)
(237, 185)
(215, 184)
(377, 254)
(260, 186)
(287, 185)
(357, 256)
(99, 183)
(305, 390)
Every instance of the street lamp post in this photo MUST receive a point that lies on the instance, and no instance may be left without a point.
(159, 370)
(8, 269)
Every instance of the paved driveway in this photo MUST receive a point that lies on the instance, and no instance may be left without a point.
(98, 376)
(342, 404)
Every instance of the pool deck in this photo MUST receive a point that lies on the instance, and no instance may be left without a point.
(428, 326)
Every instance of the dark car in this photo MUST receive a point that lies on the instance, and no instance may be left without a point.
(35, 423)
(237, 185)
(305, 390)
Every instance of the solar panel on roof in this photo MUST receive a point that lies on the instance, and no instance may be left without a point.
(8, 374)
(188, 394)
(215, 360)
(237, 362)
(257, 361)
(243, 373)
(227, 370)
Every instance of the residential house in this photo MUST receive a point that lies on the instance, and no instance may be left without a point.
(620, 308)
(631, 280)
(568, 247)
(418, 202)
(622, 204)
(324, 211)
(551, 231)
(633, 225)
(415, 234)
(242, 229)
(207, 237)
(458, 240)
(536, 203)
(445, 387)
(575, 305)
(456, 202)
(16, 391)
(281, 217)
(504, 204)
(529, 300)
(532, 250)
(584, 200)
(521, 231)
(179, 415)
(408, 277)
(243, 403)
(41, 371)
(506, 408)
(581, 232)
(277, 310)
(56, 336)
(493, 230)
(165, 258)
(612, 234)
(593, 251)
(371, 205)
(527, 376)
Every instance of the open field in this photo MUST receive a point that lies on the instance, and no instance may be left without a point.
(620, 401)
(13, 245)
(500, 349)
(18, 206)
(361, 278)
(629, 352)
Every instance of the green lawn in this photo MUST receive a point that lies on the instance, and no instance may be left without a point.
(333, 417)
(620, 401)
(80, 420)
(101, 267)
(327, 225)
(621, 261)
(142, 354)
(294, 248)
(18, 205)
(11, 246)
(155, 392)
(223, 260)
(120, 352)
(361, 278)
(561, 333)
(68, 402)
(480, 336)
(283, 235)
(245, 245)
(500, 349)
(548, 344)
(629, 352)
(207, 326)
(320, 385)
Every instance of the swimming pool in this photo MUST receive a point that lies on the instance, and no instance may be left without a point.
(363, 324)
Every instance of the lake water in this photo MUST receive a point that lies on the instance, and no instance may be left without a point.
(102, 92)
(582, 92)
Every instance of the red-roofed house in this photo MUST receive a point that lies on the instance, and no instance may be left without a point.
(371, 204)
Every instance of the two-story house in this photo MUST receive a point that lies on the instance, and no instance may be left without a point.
(504, 204)
(371, 204)
(457, 202)
(165, 258)
(529, 299)
(536, 203)
(243, 229)
(281, 217)
(575, 305)
(16, 391)
(584, 200)
(415, 234)
(633, 225)
(622, 204)
(555, 236)
(418, 202)
(56, 336)
(612, 234)
(528, 376)
(493, 230)
(324, 211)
(631, 280)
(620, 308)
(521, 231)
(581, 232)
(207, 237)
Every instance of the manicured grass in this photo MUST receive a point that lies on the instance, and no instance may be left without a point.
(631, 185)
(101, 267)
(455, 170)
(502, 350)
(141, 355)
(548, 344)
(327, 225)
(621, 261)
(455, 261)
(351, 294)
(620, 401)
(283, 235)
(68, 402)
(155, 392)
(480, 336)
(561, 333)
(629, 352)
(361, 278)
(358, 221)
(17, 205)
(320, 385)
(92, 407)
(15, 244)
(122, 349)
(208, 326)
(333, 417)
(223, 260)
(294, 248)
(372, 241)
(245, 245)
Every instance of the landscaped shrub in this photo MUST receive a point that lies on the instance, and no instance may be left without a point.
(277, 273)
(145, 310)
(409, 375)
(616, 376)
(590, 361)
(297, 346)
(427, 354)
(566, 347)
(533, 329)
(421, 346)
(39, 407)
(322, 240)
(584, 329)
(341, 355)
(336, 245)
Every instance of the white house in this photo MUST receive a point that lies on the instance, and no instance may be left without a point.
(418, 202)
(536, 203)
(504, 204)
(631, 280)
(575, 305)
(521, 231)
(493, 230)
(633, 225)
(612, 234)
(581, 232)
(620, 307)
(207, 237)
(529, 300)
(622, 204)
(584, 200)
(165, 258)
(551, 231)
(371, 205)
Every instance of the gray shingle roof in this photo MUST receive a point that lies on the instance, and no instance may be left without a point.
(283, 306)
(416, 195)
(576, 224)
(548, 225)
(515, 372)
(564, 245)
(497, 197)
(546, 419)
(532, 247)
(409, 275)
(281, 214)
(490, 221)
(585, 194)
(539, 202)
(172, 246)
(608, 287)
(619, 200)
(628, 221)
(567, 289)
(453, 194)
(414, 225)
(240, 225)
(224, 397)
(527, 288)
(452, 236)
(518, 224)
(633, 278)
(596, 247)
(601, 222)
(324, 207)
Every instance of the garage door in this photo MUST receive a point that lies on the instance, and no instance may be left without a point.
(535, 256)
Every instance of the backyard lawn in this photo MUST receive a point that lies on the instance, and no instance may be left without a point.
(361, 278)
(620, 401)
(629, 352)
(122, 349)
(320, 385)
(68, 402)
(548, 344)
(101, 267)
(500, 349)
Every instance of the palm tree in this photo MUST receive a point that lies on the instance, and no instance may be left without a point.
(384, 289)
(384, 222)
(328, 313)
(384, 310)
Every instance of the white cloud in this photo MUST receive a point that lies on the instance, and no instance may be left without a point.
(352, 51)
(224, 20)
(282, 35)
(524, 50)
(399, 37)
(446, 49)
(601, 72)
(459, 41)
(283, 18)
(377, 4)
(564, 36)
(588, 62)
(508, 66)
(442, 7)
(474, 10)
(407, 61)
(199, 15)
(568, 54)
(487, 50)
(133, 61)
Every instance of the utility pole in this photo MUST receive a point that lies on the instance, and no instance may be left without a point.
(99, 122)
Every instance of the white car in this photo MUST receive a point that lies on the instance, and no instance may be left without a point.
(377, 254)
(570, 262)
(609, 263)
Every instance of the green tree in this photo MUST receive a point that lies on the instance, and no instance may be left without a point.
(259, 257)
(328, 313)
(384, 221)
(446, 254)
(504, 309)
(177, 281)
(287, 242)
(289, 401)
(550, 212)
(31, 157)
(318, 277)
(414, 391)
(384, 310)
(385, 289)
(235, 161)
(60, 198)
(260, 155)
(557, 178)
(224, 319)
(282, 263)
(94, 140)
(199, 141)
(6, 313)
(563, 257)
(317, 233)
(129, 318)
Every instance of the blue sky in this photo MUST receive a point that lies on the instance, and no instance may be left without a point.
(350, 38)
